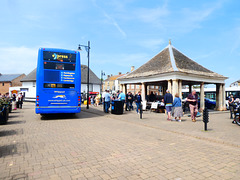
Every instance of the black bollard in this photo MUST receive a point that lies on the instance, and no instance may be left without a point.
(141, 111)
(205, 118)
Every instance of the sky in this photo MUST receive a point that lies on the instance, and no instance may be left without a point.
(122, 33)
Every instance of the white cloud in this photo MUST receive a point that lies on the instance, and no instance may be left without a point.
(205, 56)
(236, 35)
(152, 43)
(18, 60)
(123, 60)
(152, 15)
(110, 19)
(190, 19)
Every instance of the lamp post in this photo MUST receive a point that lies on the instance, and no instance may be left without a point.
(87, 48)
(102, 74)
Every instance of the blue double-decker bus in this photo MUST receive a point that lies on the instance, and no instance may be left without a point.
(58, 81)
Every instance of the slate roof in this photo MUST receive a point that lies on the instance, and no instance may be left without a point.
(170, 60)
(93, 79)
(31, 77)
(8, 77)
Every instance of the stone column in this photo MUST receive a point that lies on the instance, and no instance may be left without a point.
(190, 88)
(121, 87)
(224, 98)
(174, 87)
(164, 90)
(124, 88)
(217, 96)
(202, 99)
(220, 102)
(143, 92)
(180, 88)
(146, 91)
(169, 86)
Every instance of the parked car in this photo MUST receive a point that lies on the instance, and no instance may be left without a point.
(209, 103)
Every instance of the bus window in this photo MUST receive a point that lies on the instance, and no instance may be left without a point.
(50, 85)
(62, 66)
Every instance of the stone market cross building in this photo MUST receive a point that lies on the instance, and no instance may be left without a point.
(171, 70)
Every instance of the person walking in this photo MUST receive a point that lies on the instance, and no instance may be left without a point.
(138, 100)
(103, 99)
(92, 100)
(177, 108)
(14, 105)
(97, 100)
(20, 100)
(168, 100)
(107, 101)
(122, 97)
(193, 104)
(230, 103)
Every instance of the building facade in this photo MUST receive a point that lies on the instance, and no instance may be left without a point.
(235, 84)
(9, 80)
(112, 83)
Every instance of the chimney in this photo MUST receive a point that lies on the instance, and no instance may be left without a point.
(132, 68)
(111, 75)
(108, 76)
(119, 73)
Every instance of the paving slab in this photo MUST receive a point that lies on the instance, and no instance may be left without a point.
(96, 145)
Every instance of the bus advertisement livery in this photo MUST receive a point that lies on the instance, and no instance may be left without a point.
(58, 81)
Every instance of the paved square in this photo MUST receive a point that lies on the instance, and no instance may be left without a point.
(95, 145)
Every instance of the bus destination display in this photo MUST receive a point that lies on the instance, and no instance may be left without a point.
(59, 56)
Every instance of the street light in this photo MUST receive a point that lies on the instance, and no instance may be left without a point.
(87, 48)
(102, 74)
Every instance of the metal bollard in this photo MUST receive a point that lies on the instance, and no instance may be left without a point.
(205, 118)
(141, 111)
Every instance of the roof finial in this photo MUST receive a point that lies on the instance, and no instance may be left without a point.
(170, 42)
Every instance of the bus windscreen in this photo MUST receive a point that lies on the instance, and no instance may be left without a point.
(59, 66)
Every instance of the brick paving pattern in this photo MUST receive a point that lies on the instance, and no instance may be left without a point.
(94, 145)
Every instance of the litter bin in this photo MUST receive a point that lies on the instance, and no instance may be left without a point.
(117, 107)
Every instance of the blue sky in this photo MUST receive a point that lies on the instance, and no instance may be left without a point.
(123, 33)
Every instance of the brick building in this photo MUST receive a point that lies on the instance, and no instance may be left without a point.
(111, 83)
(10, 80)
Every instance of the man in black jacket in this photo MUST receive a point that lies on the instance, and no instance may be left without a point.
(129, 101)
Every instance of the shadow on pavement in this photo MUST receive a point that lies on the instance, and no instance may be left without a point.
(8, 133)
(12, 149)
(15, 122)
(61, 116)
(14, 112)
